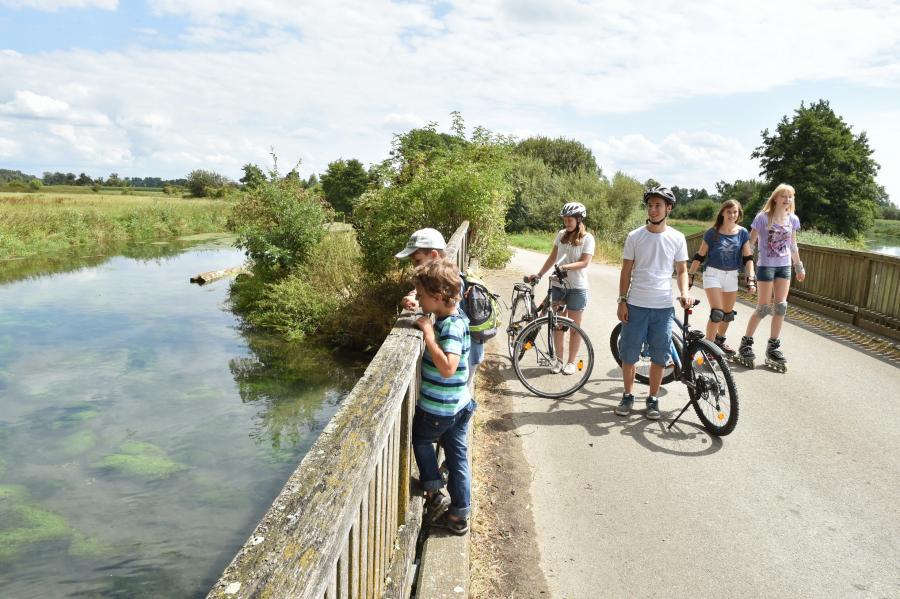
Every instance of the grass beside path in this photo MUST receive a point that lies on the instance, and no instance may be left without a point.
(542, 241)
(39, 222)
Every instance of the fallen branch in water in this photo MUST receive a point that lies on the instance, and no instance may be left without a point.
(214, 275)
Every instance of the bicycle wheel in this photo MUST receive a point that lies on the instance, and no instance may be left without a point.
(534, 354)
(516, 321)
(642, 367)
(713, 393)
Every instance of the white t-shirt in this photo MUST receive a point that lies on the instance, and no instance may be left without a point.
(567, 254)
(654, 256)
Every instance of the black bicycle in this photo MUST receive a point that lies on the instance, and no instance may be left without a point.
(702, 367)
(543, 361)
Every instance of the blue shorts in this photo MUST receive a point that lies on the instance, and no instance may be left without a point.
(770, 273)
(650, 325)
(576, 299)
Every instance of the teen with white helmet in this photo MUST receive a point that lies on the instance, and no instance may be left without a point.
(572, 250)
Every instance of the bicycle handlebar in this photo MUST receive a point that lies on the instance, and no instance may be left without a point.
(534, 280)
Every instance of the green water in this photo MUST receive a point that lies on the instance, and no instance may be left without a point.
(142, 432)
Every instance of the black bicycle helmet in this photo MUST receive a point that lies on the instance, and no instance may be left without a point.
(575, 209)
(661, 192)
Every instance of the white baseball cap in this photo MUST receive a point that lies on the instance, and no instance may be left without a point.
(423, 239)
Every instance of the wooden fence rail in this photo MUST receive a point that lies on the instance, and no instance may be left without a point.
(344, 525)
(858, 287)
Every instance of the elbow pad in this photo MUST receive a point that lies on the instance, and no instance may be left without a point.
(699, 258)
(747, 259)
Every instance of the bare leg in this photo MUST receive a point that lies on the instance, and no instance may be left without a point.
(628, 377)
(729, 298)
(559, 336)
(714, 296)
(656, 375)
(782, 286)
(765, 296)
(574, 338)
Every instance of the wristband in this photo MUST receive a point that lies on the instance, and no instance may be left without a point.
(622, 299)
(800, 268)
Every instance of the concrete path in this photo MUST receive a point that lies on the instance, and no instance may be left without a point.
(802, 500)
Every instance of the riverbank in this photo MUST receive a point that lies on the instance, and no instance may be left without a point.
(52, 222)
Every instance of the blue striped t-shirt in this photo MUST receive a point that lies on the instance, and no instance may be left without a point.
(447, 396)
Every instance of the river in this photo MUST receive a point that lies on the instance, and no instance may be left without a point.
(143, 433)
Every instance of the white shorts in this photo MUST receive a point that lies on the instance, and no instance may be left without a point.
(726, 280)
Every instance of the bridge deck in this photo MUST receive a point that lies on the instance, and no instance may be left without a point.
(800, 501)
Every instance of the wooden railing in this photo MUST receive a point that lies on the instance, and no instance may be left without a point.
(345, 524)
(857, 287)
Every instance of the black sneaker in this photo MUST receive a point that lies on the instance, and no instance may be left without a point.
(624, 407)
(436, 506)
(652, 408)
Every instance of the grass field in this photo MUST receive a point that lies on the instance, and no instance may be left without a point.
(689, 227)
(542, 241)
(48, 222)
(888, 228)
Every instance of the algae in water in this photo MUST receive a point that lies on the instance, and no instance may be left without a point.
(141, 459)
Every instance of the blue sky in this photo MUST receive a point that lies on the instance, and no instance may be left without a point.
(677, 91)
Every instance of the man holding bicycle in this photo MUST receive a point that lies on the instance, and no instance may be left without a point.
(645, 295)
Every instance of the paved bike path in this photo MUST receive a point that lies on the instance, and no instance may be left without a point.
(800, 501)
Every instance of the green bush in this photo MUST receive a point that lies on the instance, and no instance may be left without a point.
(278, 223)
(705, 210)
(465, 182)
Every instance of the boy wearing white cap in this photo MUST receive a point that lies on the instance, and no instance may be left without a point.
(424, 246)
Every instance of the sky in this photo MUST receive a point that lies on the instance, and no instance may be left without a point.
(679, 91)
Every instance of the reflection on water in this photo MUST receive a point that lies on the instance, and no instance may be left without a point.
(884, 244)
(142, 433)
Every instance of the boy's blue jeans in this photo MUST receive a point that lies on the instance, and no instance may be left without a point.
(451, 431)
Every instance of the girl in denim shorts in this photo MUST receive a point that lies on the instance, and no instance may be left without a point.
(572, 250)
(775, 231)
(726, 248)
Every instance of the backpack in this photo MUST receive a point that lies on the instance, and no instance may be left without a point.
(482, 308)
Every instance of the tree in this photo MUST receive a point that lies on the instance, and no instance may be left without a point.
(343, 182)
(253, 176)
(83, 180)
(561, 155)
(203, 183)
(831, 170)
(113, 180)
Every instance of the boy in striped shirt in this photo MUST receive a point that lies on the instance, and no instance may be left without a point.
(445, 404)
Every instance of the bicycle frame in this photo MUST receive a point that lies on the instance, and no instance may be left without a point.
(684, 362)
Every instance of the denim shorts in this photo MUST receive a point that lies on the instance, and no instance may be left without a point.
(770, 273)
(650, 325)
(576, 299)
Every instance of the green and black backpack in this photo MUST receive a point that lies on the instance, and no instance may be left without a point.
(482, 308)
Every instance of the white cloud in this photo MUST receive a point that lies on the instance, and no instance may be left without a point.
(29, 105)
(8, 148)
(686, 159)
(322, 79)
(54, 5)
(403, 122)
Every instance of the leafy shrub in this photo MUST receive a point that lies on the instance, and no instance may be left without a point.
(278, 223)
(698, 210)
(203, 183)
(466, 181)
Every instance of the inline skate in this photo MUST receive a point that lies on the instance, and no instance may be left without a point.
(774, 358)
(745, 356)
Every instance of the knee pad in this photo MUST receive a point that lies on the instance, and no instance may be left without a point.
(716, 315)
(763, 310)
(729, 316)
(781, 308)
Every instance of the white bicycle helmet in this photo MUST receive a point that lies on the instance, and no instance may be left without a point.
(575, 209)
(660, 192)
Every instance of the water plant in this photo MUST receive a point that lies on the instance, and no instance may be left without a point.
(144, 460)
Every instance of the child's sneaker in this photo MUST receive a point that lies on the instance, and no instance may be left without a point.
(569, 368)
(436, 506)
(652, 408)
(556, 366)
(457, 527)
(624, 407)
